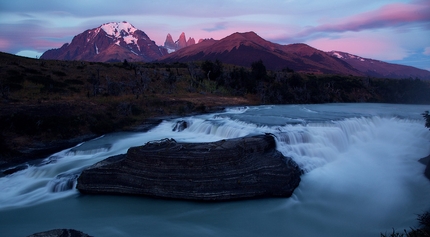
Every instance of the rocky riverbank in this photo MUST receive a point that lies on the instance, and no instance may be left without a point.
(240, 168)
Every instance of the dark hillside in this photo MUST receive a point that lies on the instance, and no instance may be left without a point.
(47, 105)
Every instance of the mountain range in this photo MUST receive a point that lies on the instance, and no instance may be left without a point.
(122, 41)
(182, 42)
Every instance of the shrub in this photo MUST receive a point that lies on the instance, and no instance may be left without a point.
(426, 116)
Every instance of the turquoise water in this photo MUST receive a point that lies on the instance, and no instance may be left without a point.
(362, 177)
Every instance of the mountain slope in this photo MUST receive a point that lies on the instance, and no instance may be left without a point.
(376, 68)
(109, 42)
(245, 48)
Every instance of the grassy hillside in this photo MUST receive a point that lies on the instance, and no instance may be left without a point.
(44, 103)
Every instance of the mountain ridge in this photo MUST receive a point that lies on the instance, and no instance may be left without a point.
(377, 68)
(119, 41)
(109, 42)
(243, 49)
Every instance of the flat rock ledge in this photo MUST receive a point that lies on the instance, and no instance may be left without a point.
(239, 168)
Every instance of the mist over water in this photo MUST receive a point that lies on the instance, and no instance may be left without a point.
(362, 177)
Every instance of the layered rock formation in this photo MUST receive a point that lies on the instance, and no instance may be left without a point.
(238, 168)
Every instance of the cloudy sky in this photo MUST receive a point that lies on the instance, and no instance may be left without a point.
(396, 31)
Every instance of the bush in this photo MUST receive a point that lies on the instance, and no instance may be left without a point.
(426, 115)
(424, 231)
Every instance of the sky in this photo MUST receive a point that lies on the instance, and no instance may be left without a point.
(396, 31)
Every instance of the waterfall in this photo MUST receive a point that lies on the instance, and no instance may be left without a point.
(314, 145)
(360, 161)
(62, 182)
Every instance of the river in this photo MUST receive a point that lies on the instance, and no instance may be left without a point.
(362, 178)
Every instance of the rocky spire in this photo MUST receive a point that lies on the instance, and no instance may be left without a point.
(182, 41)
(191, 41)
(169, 43)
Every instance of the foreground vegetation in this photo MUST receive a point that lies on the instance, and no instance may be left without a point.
(423, 231)
(424, 219)
(46, 102)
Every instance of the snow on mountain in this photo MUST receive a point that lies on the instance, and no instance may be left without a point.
(376, 68)
(343, 55)
(118, 29)
(114, 41)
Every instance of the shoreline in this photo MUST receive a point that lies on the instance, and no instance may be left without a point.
(18, 159)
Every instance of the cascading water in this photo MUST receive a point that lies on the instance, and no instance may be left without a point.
(362, 177)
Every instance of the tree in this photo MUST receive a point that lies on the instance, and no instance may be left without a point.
(258, 70)
(212, 70)
(426, 115)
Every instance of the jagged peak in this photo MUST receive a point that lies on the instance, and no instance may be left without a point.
(191, 41)
(169, 38)
(115, 28)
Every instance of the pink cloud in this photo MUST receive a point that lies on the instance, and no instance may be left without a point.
(4, 44)
(391, 15)
(368, 47)
(427, 51)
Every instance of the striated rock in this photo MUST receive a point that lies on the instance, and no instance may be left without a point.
(60, 233)
(247, 167)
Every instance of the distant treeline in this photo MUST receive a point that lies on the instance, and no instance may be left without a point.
(287, 86)
(270, 87)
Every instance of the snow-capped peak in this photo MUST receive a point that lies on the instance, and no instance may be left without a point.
(118, 29)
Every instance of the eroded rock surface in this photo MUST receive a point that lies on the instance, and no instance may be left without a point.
(247, 167)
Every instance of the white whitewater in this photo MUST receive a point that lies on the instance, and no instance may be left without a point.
(362, 177)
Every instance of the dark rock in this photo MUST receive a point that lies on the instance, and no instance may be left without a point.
(427, 171)
(247, 167)
(38, 151)
(13, 170)
(60, 233)
(426, 161)
(180, 126)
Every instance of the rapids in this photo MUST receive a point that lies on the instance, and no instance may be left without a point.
(362, 177)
